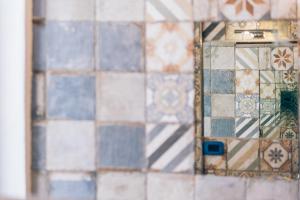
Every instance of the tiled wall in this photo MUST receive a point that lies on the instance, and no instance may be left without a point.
(113, 100)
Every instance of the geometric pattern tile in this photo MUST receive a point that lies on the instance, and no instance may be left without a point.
(267, 76)
(247, 81)
(247, 106)
(170, 147)
(213, 31)
(267, 91)
(169, 47)
(247, 127)
(282, 58)
(243, 154)
(286, 76)
(267, 120)
(275, 155)
(270, 132)
(246, 58)
(267, 106)
(289, 132)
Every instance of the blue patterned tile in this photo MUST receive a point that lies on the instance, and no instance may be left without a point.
(38, 147)
(206, 80)
(121, 146)
(207, 106)
(71, 97)
(222, 127)
(70, 45)
(222, 81)
(120, 47)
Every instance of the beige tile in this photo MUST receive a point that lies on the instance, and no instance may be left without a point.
(222, 57)
(222, 105)
(282, 9)
(205, 10)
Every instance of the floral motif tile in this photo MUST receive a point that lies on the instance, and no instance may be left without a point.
(244, 9)
(213, 163)
(247, 127)
(282, 58)
(222, 58)
(171, 10)
(267, 76)
(243, 154)
(267, 91)
(275, 155)
(169, 47)
(289, 132)
(267, 106)
(170, 98)
(247, 105)
(287, 77)
(246, 58)
(247, 81)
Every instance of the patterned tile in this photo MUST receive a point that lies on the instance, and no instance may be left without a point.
(170, 98)
(264, 58)
(121, 97)
(267, 106)
(244, 9)
(222, 81)
(222, 127)
(213, 31)
(267, 91)
(121, 47)
(282, 58)
(247, 81)
(275, 155)
(65, 155)
(169, 47)
(207, 106)
(289, 132)
(247, 105)
(270, 132)
(120, 146)
(170, 147)
(213, 163)
(222, 105)
(268, 120)
(72, 186)
(247, 127)
(170, 10)
(69, 45)
(280, 9)
(267, 76)
(243, 154)
(71, 97)
(115, 10)
(286, 77)
(222, 58)
(246, 58)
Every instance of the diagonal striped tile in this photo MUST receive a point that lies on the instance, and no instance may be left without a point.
(267, 77)
(212, 163)
(213, 31)
(247, 127)
(246, 58)
(243, 154)
(268, 120)
(271, 132)
(170, 147)
(168, 10)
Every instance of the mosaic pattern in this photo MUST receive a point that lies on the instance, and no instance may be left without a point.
(169, 47)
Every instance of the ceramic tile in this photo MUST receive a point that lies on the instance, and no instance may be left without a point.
(38, 108)
(206, 81)
(72, 186)
(246, 58)
(214, 31)
(243, 154)
(267, 91)
(222, 127)
(286, 77)
(121, 185)
(120, 146)
(207, 106)
(270, 132)
(70, 10)
(207, 126)
(282, 58)
(247, 127)
(247, 105)
(206, 10)
(69, 45)
(121, 97)
(213, 163)
(275, 155)
(268, 119)
(121, 47)
(159, 10)
(206, 55)
(222, 58)
(295, 156)
(170, 98)
(170, 147)
(264, 58)
(65, 155)
(38, 148)
(280, 9)
(115, 10)
(222, 105)
(169, 47)
(267, 76)
(244, 9)
(175, 186)
(222, 81)
(247, 82)
(71, 97)
(289, 133)
(39, 48)
(267, 106)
